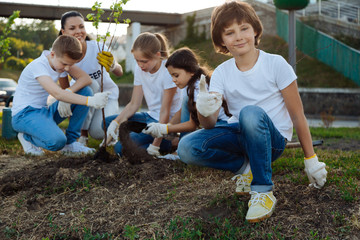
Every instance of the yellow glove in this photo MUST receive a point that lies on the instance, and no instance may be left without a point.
(106, 59)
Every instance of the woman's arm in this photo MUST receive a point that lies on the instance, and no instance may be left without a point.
(118, 70)
(133, 106)
(188, 126)
(295, 108)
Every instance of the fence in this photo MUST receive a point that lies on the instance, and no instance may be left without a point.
(325, 48)
(339, 10)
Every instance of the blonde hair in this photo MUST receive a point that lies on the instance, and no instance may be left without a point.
(69, 46)
(225, 14)
(150, 44)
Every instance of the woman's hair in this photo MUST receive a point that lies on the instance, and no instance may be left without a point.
(151, 43)
(186, 59)
(67, 15)
(69, 46)
(226, 14)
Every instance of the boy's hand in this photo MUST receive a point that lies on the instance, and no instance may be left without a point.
(315, 171)
(106, 59)
(156, 130)
(153, 150)
(64, 109)
(207, 103)
(99, 100)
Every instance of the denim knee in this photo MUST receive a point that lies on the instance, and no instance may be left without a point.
(186, 150)
(56, 143)
(250, 118)
(85, 91)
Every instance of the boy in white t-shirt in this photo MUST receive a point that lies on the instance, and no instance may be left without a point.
(35, 122)
(263, 98)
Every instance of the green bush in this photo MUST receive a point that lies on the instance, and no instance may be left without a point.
(15, 63)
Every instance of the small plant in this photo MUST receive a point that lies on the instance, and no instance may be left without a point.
(4, 40)
(131, 232)
(327, 117)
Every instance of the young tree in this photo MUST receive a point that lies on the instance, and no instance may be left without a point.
(114, 17)
(4, 40)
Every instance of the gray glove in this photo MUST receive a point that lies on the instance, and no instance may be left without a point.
(64, 108)
(156, 130)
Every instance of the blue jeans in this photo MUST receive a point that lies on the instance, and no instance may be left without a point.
(228, 147)
(141, 139)
(185, 115)
(40, 125)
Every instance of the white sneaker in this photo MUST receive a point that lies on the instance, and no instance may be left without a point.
(76, 148)
(83, 140)
(28, 147)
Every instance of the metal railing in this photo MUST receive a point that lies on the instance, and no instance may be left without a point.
(336, 9)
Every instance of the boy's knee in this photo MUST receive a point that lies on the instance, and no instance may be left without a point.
(250, 117)
(56, 143)
(85, 91)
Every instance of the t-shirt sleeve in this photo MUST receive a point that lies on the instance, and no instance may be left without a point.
(216, 82)
(167, 80)
(39, 70)
(137, 76)
(284, 73)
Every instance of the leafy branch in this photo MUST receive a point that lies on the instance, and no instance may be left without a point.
(114, 17)
(4, 40)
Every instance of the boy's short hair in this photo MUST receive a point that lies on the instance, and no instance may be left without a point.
(225, 14)
(67, 45)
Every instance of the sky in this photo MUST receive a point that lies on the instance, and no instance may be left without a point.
(170, 6)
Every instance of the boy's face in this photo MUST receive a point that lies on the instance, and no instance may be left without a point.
(239, 38)
(179, 76)
(61, 64)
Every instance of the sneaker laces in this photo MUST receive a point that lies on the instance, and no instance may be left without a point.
(242, 179)
(258, 198)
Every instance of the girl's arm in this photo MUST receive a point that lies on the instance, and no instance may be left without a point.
(295, 108)
(165, 110)
(188, 126)
(133, 106)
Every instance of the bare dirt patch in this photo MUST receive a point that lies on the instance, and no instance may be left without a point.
(64, 197)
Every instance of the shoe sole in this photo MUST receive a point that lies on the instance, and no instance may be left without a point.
(255, 220)
(243, 193)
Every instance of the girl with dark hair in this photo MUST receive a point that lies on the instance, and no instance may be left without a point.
(72, 23)
(183, 66)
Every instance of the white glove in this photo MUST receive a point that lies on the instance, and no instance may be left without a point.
(315, 171)
(157, 130)
(64, 109)
(113, 130)
(207, 103)
(112, 134)
(99, 100)
(153, 150)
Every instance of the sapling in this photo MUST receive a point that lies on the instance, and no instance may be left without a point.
(4, 40)
(114, 17)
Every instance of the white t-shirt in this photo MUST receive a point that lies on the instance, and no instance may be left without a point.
(259, 86)
(90, 65)
(222, 115)
(153, 86)
(29, 92)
